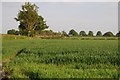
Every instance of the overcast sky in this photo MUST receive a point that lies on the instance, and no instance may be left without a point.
(61, 16)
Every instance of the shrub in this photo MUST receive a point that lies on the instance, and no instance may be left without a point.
(13, 31)
(90, 33)
(72, 32)
(108, 34)
(99, 33)
(82, 33)
(118, 34)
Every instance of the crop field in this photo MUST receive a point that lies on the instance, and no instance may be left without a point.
(60, 58)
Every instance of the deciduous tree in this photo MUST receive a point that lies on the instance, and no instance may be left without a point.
(72, 32)
(99, 33)
(30, 20)
(90, 33)
(108, 34)
(82, 33)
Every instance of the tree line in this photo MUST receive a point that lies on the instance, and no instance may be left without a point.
(90, 33)
(31, 24)
(71, 33)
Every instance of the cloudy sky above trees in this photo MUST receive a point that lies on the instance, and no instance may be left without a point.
(60, 16)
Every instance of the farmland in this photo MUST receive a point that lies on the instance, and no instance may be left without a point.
(60, 58)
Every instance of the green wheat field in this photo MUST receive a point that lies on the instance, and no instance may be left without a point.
(60, 58)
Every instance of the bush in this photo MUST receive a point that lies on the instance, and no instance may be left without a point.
(82, 33)
(90, 33)
(72, 32)
(64, 33)
(108, 34)
(13, 31)
(99, 33)
(118, 34)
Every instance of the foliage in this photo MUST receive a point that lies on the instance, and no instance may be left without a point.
(108, 34)
(64, 33)
(13, 31)
(30, 21)
(72, 32)
(41, 24)
(99, 33)
(90, 33)
(82, 33)
(118, 34)
(46, 32)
